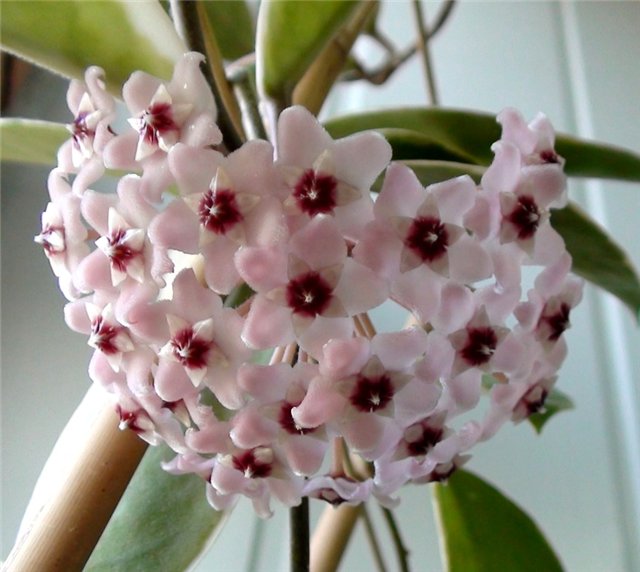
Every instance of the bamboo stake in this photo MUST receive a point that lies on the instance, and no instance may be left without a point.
(64, 533)
(331, 536)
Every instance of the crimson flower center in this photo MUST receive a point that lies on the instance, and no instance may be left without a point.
(315, 193)
(308, 294)
(80, 128)
(157, 119)
(371, 394)
(218, 211)
(534, 399)
(287, 421)
(103, 336)
(428, 238)
(52, 239)
(190, 350)
(251, 466)
(430, 437)
(481, 345)
(119, 251)
(525, 217)
(558, 322)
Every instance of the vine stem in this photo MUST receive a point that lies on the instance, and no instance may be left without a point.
(401, 549)
(299, 525)
(425, 52)
(373, 540)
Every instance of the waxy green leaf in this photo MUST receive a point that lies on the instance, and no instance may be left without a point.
(31, 141)
(289, 37)
(484, 531)
(466, 136)
(163, 521)
(596, 257)
(68, 37)
(556, 402)
(232, 23)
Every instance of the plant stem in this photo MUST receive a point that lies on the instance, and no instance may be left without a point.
(423, 48)
(401, 551)
(373, 540)
(64, 533)
(299, 526)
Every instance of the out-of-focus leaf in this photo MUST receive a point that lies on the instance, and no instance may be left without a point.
(596, 257)
(555, 402)
(466, 136)
(232, 24)
(484, 531)
(163, 522)
(67, 37)
(289, 37)
(31, 141)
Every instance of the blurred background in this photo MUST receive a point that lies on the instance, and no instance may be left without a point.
(580, 480)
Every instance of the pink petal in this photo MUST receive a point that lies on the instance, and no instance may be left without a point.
(262, 268)
(268, 325)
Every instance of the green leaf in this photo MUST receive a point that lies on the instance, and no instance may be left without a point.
(67, 37)
(596, 257)
(232, 24)
(555, 402)
(290, 35)
(163, 522)
(484, 531)
(31, 141)
(466, 136)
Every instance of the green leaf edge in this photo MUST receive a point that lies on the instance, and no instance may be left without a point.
(120, 548)
(43, 139)
(466, 136)
(556, 402)
(467, 481)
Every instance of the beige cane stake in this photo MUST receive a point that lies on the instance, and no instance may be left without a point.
(64, 533)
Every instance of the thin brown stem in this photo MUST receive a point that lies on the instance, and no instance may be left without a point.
(395, 60)
(425, 52)
(372, 538)
(401, 551)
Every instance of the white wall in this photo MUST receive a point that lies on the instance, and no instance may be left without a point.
(577, 62)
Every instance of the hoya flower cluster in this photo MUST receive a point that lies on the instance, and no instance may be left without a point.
(202, 264)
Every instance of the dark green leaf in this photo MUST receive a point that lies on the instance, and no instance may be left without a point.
(555, 403)
(163, 522)
(233, 27)
(484, 531)
(466, 136)
(290, 35)
(596, 257)
(67, 37)
(31, 141)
